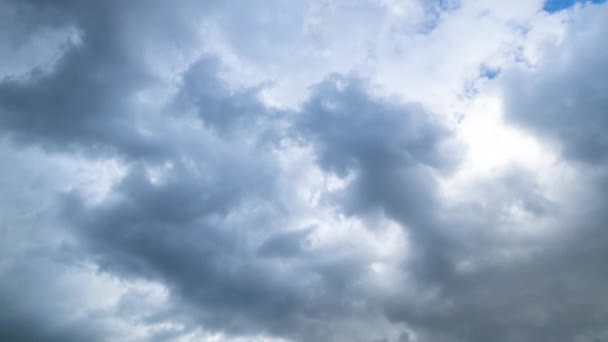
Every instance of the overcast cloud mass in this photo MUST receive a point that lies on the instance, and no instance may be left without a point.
(322, 170)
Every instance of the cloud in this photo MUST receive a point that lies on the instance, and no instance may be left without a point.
(205, 221)
(87, 99)
(390, 151)
(198, 172)
(563, 99)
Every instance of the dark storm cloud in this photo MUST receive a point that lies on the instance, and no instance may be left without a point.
(205, 250)
(205, 207)
(86, 101)
(209, 227)
(565, 99)
(226, 110)
(179, 229)
(87, 97)
(34, 326)
(553, 295)
(199, 226)
(392, 152)
(186, 230)
(28, 314)
(285, 245)
(553, 291)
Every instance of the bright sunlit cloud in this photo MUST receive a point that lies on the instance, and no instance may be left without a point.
(282, 171)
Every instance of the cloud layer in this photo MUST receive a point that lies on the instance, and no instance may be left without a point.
(239, 171)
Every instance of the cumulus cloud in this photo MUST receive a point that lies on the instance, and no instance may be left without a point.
(237, 171)
(564, 97)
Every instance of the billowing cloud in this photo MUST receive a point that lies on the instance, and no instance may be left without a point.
(290, 171)
(564, 98)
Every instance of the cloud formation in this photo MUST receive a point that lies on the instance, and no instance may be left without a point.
(236, 171)
(564, 98)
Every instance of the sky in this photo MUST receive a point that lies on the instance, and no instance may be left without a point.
(294, 171)
(558, 5)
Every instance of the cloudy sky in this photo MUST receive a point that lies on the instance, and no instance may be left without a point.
(320, 170)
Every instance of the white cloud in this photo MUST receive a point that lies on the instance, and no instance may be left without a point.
(328, 170)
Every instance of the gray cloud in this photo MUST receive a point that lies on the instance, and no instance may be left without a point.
(207, 208)
(564, 99)
(285, 245)
(29, 315)
(391, 150)
(87, 99)
(209, 228)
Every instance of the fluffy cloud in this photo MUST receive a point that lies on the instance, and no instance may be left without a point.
(281, 171)
(564, 97)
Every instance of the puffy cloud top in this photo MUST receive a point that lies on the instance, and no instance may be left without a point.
(303, 171)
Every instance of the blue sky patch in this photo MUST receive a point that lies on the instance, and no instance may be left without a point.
(488, 72)
(553, 6)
